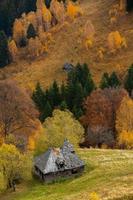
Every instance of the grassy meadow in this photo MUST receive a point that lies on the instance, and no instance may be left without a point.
(109, 173)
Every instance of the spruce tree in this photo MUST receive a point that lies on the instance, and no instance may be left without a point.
(70, 95)
(114, 81)
(129, 5)
(129, 80)
(23, 42)
(47, 112)
(84, 75)
(78, 95)
(55, 94)
(63, 105)
(63, 92)
(77, 111)
(89, 85)
(39, 97)
(31, 33)
(4, 52)
(47, 3)
(105, 81)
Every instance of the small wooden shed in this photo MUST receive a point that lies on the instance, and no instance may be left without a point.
(58, 163)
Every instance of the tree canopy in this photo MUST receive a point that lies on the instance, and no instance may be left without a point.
(14, 165)
(60, 126)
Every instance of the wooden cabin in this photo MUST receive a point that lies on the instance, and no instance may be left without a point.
(58, 163)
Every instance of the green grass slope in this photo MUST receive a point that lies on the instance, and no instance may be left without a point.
(108, 172)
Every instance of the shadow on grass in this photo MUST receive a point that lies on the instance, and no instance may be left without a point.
(130, 197)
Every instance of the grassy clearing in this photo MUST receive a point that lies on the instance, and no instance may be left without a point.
(108, 172)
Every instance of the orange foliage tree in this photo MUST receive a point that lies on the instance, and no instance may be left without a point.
(73, 10)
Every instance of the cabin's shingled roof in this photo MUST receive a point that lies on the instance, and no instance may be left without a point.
(50, 161)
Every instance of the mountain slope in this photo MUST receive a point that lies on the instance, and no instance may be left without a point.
(69, 47)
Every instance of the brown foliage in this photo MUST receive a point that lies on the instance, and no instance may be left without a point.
(98, 111)
(100, 115)
(101, 107)
(16, 109)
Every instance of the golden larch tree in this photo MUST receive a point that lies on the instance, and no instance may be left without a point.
(124, 122)
(116, 41)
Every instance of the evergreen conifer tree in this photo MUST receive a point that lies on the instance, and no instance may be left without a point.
(23, 42)
(31, 33)
(129, 5)
(63, 92)
(113, 80)
(84, 75)
(89, 85)
(129, 80)
(70, 95)
(105, 81)
(77, 111)
(4, 52)
(39, 97)
(63, 105)
(55, 92)
(78, 95)
(47, 112)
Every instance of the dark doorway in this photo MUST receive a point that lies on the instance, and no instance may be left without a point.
(129, 5)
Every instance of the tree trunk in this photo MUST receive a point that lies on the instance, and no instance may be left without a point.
(123, 5)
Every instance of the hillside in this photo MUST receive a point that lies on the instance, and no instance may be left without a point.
(68, 47)
(108, 172)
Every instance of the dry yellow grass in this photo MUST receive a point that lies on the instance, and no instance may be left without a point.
(69, 47)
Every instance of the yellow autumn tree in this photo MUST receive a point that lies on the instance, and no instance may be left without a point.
(73, 10)
(100, 53)
(124, 123)
(116, 41)
(34, 135)
(60, 126)
(88, 34)
(19, 31)
(13, 50)
(47, 17)
(14, 164)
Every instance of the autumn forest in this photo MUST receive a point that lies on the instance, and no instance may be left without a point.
(66, 74)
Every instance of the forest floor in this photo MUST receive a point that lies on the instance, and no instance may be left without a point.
(69, 47)
(109, 173)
